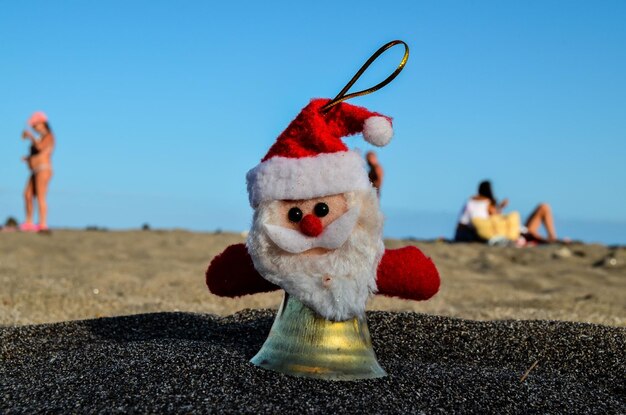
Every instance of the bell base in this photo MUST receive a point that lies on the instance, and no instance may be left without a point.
(302, 343)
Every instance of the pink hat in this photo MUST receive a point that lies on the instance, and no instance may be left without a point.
(37, 117)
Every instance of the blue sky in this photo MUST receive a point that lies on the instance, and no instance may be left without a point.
(161, 107)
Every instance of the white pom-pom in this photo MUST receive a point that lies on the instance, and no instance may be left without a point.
(377, 131)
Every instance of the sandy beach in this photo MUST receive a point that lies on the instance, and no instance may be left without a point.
(72, 275)
(130, 327)
(198, 363)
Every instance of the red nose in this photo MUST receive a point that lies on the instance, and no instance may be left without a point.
(311, 225)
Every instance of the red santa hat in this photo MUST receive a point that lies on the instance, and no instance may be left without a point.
(309, 159)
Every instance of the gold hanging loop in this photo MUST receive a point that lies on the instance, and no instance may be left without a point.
(342, 97)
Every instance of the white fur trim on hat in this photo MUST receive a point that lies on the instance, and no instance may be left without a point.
(283, 178)
(377, 130)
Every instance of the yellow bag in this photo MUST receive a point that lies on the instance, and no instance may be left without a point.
(507, 226)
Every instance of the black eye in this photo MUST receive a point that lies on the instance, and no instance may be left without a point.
(295, 214)
(321, 210)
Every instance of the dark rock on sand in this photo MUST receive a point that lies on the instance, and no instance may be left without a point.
(11, 222)
(182, 363)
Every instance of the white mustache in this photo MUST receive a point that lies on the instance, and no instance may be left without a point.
(335, 234)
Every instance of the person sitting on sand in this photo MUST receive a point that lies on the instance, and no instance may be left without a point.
(375, 171)
(484, 204)
(40, 164)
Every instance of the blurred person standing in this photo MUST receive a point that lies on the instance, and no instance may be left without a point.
(40, 164)
(375, 171)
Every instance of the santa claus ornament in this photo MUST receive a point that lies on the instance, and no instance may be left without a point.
(317, 234)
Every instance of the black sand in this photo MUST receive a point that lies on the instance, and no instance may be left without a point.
(182, 363)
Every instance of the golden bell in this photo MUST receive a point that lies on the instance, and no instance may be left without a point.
(302, 343)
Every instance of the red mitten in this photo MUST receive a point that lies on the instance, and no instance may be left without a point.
(407, 273)
(232, 274)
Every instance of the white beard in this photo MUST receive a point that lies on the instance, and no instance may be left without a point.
(351, 267)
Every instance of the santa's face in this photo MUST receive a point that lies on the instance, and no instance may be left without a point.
(324, 250)
(313, 226)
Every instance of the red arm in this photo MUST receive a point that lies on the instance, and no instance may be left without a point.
(232, 274)
(407, 273)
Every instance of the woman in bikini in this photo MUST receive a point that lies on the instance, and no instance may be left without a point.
(40, 163)
(484, 204)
